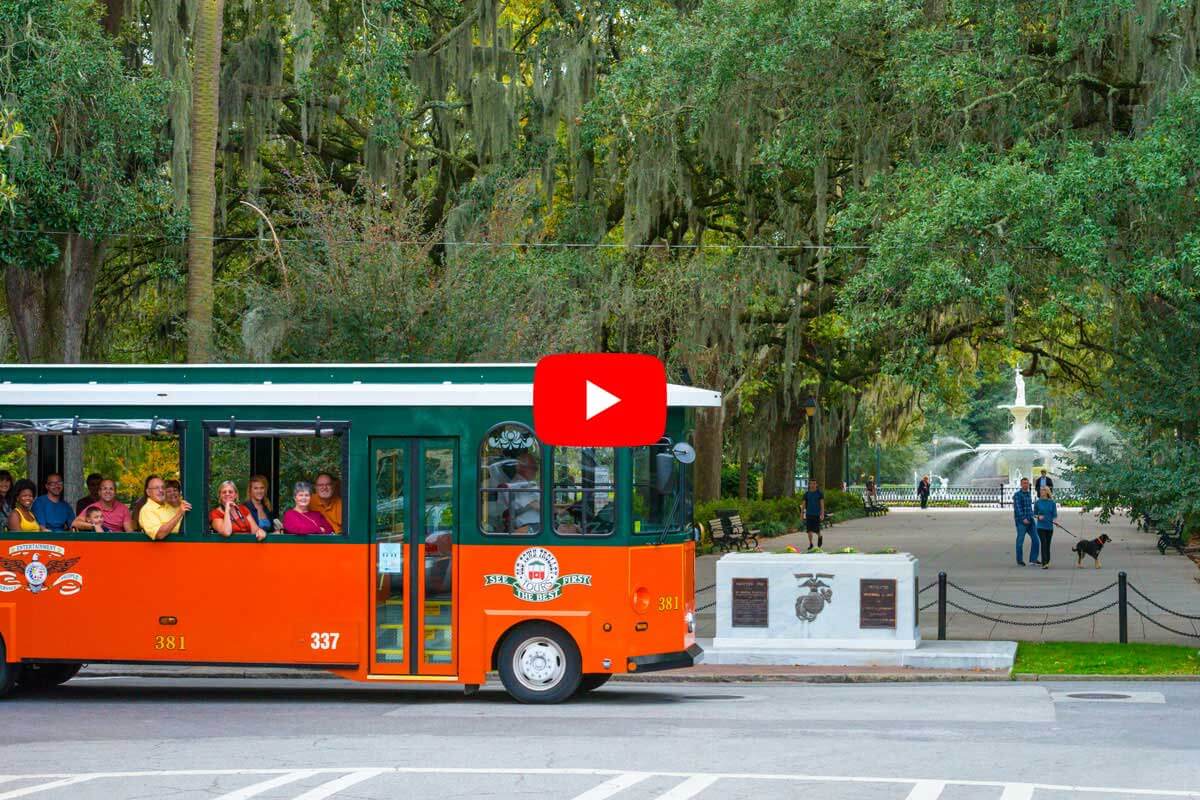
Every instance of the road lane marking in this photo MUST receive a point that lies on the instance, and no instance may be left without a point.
(330, 788)
(689, 788)
(44, 787)
(255, 789)
(613, 786)
(927, 790)
(694, 782)
(1018, 791)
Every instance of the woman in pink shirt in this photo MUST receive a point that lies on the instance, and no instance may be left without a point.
(117, 518)
(300, 520)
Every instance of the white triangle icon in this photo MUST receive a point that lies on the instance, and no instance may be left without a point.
(598, 400)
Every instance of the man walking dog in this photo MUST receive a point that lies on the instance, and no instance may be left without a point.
(1023, 517)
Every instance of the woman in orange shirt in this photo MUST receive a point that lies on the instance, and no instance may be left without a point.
(230, 516)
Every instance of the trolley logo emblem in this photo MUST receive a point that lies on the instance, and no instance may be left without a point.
(38, 570)
(535, 577)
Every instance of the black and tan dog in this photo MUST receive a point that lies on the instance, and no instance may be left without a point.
(1091, 547)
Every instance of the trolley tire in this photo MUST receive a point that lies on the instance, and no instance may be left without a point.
(8, 672)
(39, 677)
(539, 663)
(592, 681)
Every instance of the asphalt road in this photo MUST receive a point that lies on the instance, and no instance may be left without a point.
(124, 738)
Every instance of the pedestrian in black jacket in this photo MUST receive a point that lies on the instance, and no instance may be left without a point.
(923, 491)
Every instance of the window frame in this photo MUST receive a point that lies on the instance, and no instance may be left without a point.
(609, 488)
(179, 431)
(480, 490)
(681, 487)
(209, 430)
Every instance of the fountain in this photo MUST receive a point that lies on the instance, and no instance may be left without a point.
(993, 463)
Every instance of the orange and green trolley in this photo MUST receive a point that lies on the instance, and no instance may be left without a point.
(466, 544)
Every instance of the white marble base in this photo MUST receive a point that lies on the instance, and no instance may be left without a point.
(814, 602)
(957, 655)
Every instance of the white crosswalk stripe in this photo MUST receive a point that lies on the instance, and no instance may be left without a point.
(613, 785)
(44, 787)
(330, 788)
(261, 787)
(926, 790)
(689, 788)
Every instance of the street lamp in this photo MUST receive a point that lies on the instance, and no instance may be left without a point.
(810, 411)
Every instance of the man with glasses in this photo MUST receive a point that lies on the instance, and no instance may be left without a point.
(158, 518)
(51, 511)
(327, 501)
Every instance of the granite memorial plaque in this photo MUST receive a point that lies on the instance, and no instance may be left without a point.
(750, 602)
(877, 603)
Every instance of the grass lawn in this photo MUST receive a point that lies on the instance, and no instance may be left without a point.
(1102, 658)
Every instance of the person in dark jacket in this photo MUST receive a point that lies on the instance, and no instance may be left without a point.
(1045, 510)
(1043, 482)
(923, 491)
(1023, 517)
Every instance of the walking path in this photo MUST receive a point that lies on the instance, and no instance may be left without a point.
(975, 547)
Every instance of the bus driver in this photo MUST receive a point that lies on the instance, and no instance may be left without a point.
(524, 508)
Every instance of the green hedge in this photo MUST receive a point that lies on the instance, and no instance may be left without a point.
(776, 517)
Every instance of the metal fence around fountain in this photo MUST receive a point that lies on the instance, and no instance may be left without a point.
(1122, 604)
(974, 496)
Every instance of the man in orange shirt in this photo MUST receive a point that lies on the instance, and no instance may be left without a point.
(327, 501)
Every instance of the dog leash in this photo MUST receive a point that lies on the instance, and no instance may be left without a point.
(1062, 528)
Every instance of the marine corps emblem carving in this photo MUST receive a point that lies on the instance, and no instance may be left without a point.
(820, 594)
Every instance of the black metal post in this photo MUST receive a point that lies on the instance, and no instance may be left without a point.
(1122, 608)
(941, 606)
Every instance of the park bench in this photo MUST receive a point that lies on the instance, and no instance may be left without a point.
(729, 533)
(872, 509)
(1171, 538)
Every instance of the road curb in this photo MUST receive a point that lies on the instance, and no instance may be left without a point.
(1034, 678)
(658, 677)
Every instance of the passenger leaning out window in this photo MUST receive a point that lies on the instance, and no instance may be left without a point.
(259, 502)
(328, 501)
(230, 516)
(22, 519)
(159, 519)
(115, 514)
(301, 519)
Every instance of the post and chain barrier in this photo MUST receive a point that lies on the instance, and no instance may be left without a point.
(1122, 604)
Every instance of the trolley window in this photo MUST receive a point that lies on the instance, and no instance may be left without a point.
(659, 494)
(510, 481)
(584, 491)
(265, 460)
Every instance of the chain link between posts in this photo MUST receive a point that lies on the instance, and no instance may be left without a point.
(1140, 594)
(969, 593)
(1043, 623)
(1152, 621)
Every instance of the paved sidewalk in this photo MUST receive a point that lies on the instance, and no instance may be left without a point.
(975, 547)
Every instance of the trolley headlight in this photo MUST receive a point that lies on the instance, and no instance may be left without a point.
(690, 619)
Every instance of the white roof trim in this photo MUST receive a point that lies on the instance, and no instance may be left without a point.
(300, 394)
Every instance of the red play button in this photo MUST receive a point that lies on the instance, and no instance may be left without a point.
(599, 400)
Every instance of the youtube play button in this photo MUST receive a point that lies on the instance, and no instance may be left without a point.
(599, 400)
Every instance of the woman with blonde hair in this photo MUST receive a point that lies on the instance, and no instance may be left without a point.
(259, 502)
(230, 516)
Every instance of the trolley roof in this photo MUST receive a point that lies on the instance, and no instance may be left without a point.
(84, 385)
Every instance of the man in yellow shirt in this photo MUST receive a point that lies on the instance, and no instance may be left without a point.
(156, 518)
(326, 500)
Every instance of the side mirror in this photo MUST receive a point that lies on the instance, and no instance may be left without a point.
(684, 453)
(664, 472)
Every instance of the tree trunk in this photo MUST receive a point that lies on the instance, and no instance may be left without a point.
(779, 475)
(743, 469)
(831, 449)
(708, 437)
(202, 177)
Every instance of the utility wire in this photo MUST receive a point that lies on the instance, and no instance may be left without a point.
(580, 245)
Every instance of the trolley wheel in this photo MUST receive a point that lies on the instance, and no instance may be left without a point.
(37, 677)
(592, 681)
(8, 672)
(539, 663)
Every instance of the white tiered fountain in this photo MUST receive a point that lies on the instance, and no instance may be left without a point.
(994, 462)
